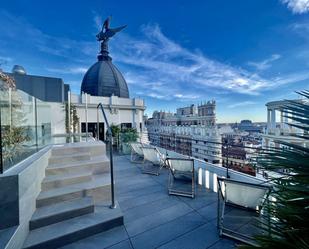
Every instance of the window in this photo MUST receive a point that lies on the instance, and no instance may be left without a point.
(126, 125)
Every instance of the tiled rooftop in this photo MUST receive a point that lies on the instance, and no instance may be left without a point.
(153, 219)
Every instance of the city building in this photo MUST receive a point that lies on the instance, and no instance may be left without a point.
(247, 125)
(278, 128)
(45, 88)
(203, 114)
(190, 131)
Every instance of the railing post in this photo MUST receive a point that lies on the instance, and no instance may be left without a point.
(69, 115)
(36, 123)
(112, 168)
(86, 115)
(109, 135)
(98, 122)
(227, 160)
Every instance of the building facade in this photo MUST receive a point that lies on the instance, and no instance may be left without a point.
(203, 114)
(190, 131)
(123, 112)
(45, 88)
(278, 128)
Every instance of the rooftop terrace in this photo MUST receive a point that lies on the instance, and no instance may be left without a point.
(154, 219)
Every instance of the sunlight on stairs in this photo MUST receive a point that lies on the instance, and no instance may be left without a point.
(74, 198)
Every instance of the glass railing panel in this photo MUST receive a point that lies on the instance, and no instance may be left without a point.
(43, 123)
(18, 127)
(27, 127)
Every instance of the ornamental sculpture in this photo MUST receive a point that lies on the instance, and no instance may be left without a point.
(104, 35)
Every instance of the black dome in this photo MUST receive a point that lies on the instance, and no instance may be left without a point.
(104, 79)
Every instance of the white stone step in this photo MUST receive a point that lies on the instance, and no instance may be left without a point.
(95, 165)
(58, 212)
(69, 158)
(98, 188)
(69, 231)
(93, 148)
(61, 180)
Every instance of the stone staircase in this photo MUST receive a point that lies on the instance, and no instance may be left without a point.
(74, 198)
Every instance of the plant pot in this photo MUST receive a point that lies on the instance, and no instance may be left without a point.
(126, 148)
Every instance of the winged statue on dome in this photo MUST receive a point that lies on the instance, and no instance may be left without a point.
(107, 32)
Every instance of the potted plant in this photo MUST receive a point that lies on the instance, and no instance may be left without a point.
(115, 133)
(128, 136)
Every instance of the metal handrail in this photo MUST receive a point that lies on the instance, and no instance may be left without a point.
(109, 135)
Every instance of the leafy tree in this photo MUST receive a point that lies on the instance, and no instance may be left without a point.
(289, 205)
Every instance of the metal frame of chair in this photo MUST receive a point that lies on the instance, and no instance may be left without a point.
(179, 174)
(223, 231)
(154, 156)
(137, 153)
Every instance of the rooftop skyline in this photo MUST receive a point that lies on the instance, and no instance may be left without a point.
(173, 54)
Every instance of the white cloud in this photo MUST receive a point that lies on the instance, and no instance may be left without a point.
(265, 64)
(152, 64)
(4, 60)
(297, 6)
(72, 70)
(156, 58)
(241, 104)
(186, 97)
(17, 32)
(98, 21)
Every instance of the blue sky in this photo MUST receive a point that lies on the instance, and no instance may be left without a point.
(173, 53)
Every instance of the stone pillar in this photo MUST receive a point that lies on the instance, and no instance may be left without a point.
(273, 118)
(268, 119)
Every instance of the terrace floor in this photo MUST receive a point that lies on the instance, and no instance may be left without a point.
(153, 219)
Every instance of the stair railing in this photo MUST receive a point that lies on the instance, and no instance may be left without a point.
(110, 142)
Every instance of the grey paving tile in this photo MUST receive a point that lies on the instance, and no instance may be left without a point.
(209, 212)
(101, 240)
(143, 190)
(140, 200)
(152, 206)
(236, 218)
(200, 238)
(203, 198)
(251, 228)
(122, 245)
(128, 174)
(224, 244)
(134, 183)
(135, 186)
(155, 219)
(168, 231)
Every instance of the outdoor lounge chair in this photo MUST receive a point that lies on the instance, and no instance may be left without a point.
(241, 219)
(137, 155)
(154, 160)
(181, 178)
